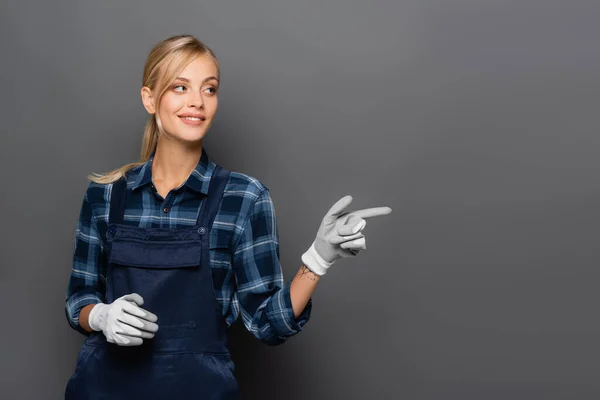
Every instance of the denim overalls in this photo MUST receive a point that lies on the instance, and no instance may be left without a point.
(170, 268)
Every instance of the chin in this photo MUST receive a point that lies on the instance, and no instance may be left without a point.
(188, 135)
(191, 138)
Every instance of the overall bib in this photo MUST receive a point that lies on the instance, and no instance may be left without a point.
(188, 357)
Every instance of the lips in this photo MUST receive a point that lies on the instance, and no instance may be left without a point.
(192, 117)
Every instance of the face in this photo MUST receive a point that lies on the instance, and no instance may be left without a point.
(189, 104)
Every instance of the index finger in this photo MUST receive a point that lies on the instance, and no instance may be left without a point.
(371, 212)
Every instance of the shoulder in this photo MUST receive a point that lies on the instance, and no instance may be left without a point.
(98, 196)
(101, 192)
(242, 196)
(244, 185)
(246, 203)
(98, 192)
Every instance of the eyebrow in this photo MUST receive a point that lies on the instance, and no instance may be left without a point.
(204, 81)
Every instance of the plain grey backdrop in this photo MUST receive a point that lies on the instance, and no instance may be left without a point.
(476, 121)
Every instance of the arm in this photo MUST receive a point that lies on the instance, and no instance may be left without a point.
(264, 301)
(85, 288)
(84, 316)
(123, 321)
(302, 287)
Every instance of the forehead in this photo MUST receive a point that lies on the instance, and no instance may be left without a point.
(201, 67)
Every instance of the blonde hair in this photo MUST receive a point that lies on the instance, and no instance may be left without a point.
(164, 63)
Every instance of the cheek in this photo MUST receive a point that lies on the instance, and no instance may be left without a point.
(214, 103)
(170, 105)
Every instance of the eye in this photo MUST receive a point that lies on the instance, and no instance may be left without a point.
(212, 89)
(179, 86)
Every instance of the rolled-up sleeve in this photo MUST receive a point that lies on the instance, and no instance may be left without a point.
(86, 285)
(264, 300)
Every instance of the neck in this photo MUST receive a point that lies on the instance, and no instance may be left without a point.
(173, 163)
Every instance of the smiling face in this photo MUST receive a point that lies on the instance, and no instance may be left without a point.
(189, 104)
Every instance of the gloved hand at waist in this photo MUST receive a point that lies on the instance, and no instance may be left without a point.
(123, 321)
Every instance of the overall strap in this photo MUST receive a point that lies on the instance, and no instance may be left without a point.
(213, 200)
(117, 201)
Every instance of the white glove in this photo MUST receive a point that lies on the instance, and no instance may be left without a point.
(339, 235)
(123, 322)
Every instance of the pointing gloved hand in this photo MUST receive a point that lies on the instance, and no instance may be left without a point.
(123, 321)
(339, 235)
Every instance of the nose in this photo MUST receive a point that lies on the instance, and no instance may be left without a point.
(197, 100)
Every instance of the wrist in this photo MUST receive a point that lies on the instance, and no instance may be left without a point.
(313, 261)
(95, 316)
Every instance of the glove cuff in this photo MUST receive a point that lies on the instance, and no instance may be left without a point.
(95, 314)
(314, 261)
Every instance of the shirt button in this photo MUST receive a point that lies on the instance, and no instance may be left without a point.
(201, 230)
(166, 209)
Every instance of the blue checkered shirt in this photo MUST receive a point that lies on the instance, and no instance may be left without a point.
(243, 247)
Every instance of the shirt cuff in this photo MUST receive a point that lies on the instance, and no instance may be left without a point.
(74, 305)
(281, 314)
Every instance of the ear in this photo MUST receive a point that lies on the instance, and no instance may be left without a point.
(148, 100)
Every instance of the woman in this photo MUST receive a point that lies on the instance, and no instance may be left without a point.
(169, 251)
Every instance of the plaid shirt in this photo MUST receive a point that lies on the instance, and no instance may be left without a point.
(243, 247)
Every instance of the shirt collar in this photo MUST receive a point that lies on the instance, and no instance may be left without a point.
(198, 180)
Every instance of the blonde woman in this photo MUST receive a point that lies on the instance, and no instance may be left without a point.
(171, 250)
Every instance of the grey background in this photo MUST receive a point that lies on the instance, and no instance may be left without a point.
(476, 121)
